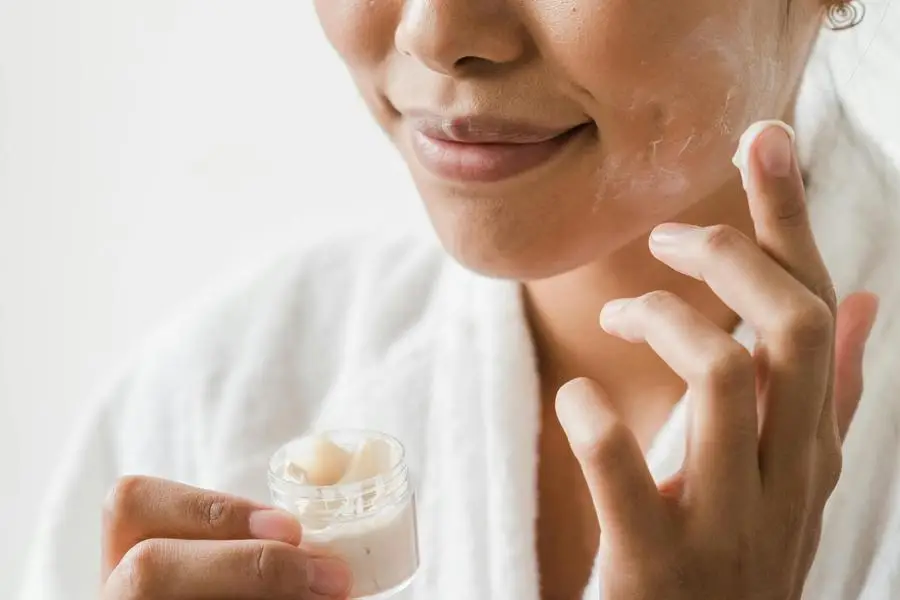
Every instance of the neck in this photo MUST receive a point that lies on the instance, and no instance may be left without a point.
(563, 312)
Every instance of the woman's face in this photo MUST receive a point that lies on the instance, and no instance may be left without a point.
(546, 134)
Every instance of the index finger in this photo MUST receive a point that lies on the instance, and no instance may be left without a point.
(144, 508)
(778, 205)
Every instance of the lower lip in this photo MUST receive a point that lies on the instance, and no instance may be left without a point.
(487, 163)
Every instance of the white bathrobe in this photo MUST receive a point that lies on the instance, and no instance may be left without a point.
(389, 334)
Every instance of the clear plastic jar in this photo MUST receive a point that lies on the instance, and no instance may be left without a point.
(370, 524)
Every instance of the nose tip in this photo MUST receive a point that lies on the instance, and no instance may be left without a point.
(447, 35)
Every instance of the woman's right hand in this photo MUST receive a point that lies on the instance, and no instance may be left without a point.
(167, 540)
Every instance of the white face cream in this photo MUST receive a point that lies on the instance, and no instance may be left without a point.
(351, 492)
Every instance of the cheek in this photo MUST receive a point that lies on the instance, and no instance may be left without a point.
(671, 85)
(362, 31)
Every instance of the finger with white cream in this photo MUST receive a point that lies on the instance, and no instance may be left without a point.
(741, 158)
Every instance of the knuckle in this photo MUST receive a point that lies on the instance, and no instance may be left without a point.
(276, 568)
(729, 370)
(139, 570)
(809, 325)
(213, 510)
(124, 498)
(217, 514)
(722, 238)
(658, 300)
(791, 211)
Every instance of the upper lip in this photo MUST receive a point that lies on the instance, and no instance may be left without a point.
(483, 129)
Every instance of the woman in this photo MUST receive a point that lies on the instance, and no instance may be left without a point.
(548, 141)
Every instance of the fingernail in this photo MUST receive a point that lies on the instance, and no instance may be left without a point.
(741, 158)
(671, 233)
(328, 576)
(776, 152)
(274, 525)
(583, 412)
(612, 310)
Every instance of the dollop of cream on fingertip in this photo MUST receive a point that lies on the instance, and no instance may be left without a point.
(741, 158)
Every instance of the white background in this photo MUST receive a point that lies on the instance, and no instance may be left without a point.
(149, 148)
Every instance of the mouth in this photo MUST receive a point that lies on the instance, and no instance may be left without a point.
(478, 150)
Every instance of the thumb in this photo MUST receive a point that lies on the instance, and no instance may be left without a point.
(855, 318)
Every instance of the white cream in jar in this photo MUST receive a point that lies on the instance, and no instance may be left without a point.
(351, 492)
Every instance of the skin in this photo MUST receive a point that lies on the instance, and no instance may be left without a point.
(162, 539)
(667, 88)
(670, 87)
(742, 518)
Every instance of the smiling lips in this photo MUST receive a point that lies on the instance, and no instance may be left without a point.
(485, 150)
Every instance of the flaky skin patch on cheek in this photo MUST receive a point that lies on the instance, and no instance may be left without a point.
(732, 80)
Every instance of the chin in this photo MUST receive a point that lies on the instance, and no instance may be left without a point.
(494, 239)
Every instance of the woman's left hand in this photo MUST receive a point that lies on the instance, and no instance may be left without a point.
(742, 518)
